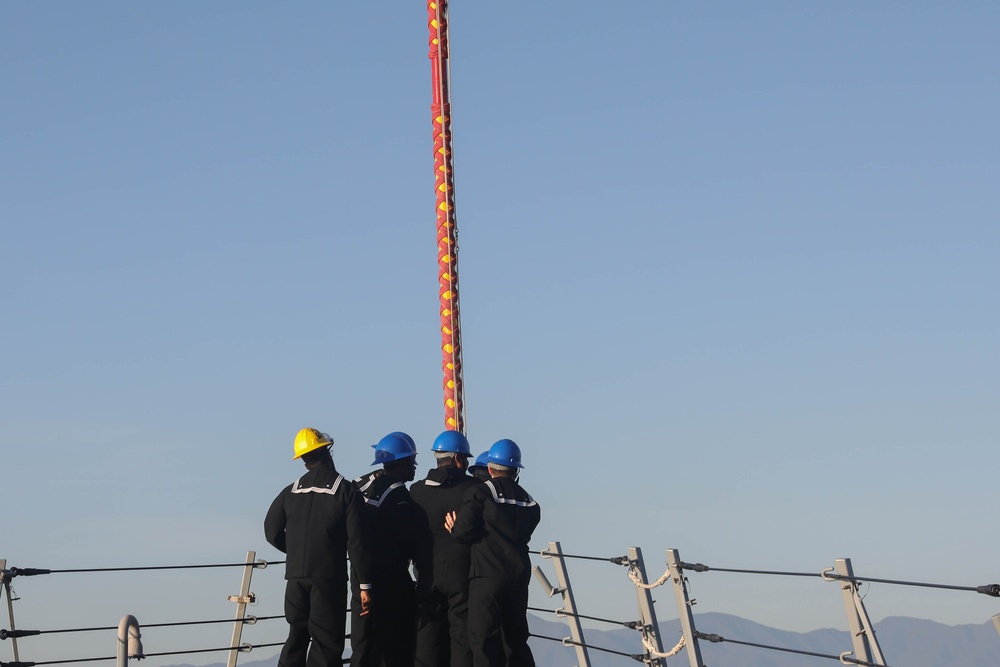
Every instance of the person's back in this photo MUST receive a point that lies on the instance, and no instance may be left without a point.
(497, 519)
(309, 521)
(442, 561)
(392, 518)
(316, 521)
(385, 638)
(500, 542)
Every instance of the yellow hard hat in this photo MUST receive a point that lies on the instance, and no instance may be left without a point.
(309, 439)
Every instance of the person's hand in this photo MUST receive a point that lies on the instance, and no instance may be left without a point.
(449, 520)
(366, 602)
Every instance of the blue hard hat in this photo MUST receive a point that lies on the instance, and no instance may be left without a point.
(451, 441)
(480, 460)
(404, 436)
(392, 448)
(505, 453)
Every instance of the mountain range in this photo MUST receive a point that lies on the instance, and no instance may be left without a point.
(905, 642)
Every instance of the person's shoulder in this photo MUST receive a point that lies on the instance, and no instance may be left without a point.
(477, 488)
(459, 478)
(365, 482)
(286, 491)
(525, 499)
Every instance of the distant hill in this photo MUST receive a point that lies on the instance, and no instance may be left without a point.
(906, 642)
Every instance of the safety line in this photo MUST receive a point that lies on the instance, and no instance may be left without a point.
(245, 648)
(715, 639)
(698, 567)
(993, 590)
(632, 625)
(617, 560)
(31, 571)
(250, 620)
(570, 642)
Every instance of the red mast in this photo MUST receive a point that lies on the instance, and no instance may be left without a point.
(447, 232)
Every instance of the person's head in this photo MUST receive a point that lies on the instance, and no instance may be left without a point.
(479, 469)
(398, 456)
(451, 450)
(504, 459)
(318, 457)
(313, 447)
(497, 470)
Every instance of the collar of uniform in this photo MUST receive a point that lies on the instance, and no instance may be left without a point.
(443, 476)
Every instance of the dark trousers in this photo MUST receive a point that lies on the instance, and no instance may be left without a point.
(498, 623)
(443, 622)
(314, 609)
(384, 637)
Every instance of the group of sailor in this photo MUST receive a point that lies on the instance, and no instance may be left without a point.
(464, 529)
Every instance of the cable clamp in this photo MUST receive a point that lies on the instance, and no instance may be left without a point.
(993, 590)
(825, 575)
(561, 612)
(26, 571)
(843, 658)
(250, 620)
(568, 642)
(261, 564)
(245, 648)
(244, 599)
(694, 567)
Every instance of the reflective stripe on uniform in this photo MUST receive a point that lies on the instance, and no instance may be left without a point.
(509, 501)
(381, 499)
(332, 489)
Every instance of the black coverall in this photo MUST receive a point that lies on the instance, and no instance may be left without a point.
(385, 637)
(316, 522)
(497, 519)
(442, 572)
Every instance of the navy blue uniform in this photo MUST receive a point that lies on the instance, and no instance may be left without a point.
(442, 572)
(316, 522)
(385, 637)
(497, 518)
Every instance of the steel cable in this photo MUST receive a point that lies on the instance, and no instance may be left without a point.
(249, 620)
(569, 642)
(632, 625)
(716, 639)
(245, 648)
(617, 560)
(32, 571)
(993, 590)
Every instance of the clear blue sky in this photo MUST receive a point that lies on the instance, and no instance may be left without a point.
(729, 276)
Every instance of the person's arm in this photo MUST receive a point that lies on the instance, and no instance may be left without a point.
(466, 526)
(424, 562)
(274, 523)
(359, 539)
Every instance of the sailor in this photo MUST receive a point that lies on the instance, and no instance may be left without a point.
(442, 562)
(497, 518)
(317, 521)
(385, 637)
(479, 469)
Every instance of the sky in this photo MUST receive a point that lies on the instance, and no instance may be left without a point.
(728, 276)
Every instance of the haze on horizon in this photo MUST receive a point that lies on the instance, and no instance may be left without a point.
(728, 278)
